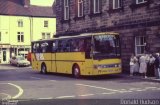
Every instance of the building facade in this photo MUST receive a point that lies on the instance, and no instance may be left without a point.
(21, 23)
(137, 21)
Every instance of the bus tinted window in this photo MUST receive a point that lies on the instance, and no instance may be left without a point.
(35, 47)
(45, 47)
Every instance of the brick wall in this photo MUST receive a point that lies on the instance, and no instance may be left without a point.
(130, 21)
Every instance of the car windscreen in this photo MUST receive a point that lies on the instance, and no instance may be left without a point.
(20, 58)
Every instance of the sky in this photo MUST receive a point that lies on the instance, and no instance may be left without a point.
(42, 2)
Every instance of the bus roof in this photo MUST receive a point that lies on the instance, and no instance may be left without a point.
(81, 35)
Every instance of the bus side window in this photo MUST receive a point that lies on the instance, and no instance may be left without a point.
(54, 46)
(88, 47)
(34, 48)
(81, 45)
(37, 48)
(44, 47)
(59, 49)
(74, 45)
(49, 50)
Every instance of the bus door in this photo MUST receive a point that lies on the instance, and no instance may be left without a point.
(54, 49)
(88, 56)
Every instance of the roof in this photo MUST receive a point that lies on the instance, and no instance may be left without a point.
(80, 35)
(41, 11)
(16, 8)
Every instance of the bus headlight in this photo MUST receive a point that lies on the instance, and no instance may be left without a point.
(97, 67)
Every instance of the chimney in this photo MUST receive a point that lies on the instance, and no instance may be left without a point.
(26, 3)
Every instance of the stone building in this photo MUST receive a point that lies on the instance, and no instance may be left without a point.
(137, 21)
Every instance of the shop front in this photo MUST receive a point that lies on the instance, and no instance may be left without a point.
(19, 50)
(7, 51)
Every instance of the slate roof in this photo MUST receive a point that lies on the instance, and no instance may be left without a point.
(16, 8)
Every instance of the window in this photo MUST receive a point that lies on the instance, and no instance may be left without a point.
(140, 44)
(35, 47)
(45, 47)
(66, 9)
(116, 4)
(43, 36)
(20, 23)
(45, 23)
(20, 36)
(96, 6)
(140, 1)
(48, 35)
(80, 8)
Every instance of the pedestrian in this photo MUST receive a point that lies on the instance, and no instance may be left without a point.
(136, 65)
(150, 68)
(157, 65)
(143, 65)
(132, 63)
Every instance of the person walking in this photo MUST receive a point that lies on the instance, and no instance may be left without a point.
(143, 66)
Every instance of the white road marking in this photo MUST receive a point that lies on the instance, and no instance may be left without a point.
(134, 88)
(7, 96)
(86, 95)
(52, 80)
(35, 77)
(99, 87)
(150, 87)
(126, 91)
(60, 97)
(19, 89)
(46, 98)
(109, 93)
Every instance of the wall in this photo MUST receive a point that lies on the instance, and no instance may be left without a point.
(38, 27)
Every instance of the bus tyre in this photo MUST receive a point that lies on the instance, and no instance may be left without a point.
(76, 71)
(43, 69)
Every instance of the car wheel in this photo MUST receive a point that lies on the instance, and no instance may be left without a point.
(43, 69)
(76, 71)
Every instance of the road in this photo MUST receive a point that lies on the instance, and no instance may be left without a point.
(24, 83)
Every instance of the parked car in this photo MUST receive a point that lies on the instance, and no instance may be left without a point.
(19, 61)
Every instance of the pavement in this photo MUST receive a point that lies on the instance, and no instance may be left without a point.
(152, 79)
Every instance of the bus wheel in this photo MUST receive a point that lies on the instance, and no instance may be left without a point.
(43, 69)
(76, 71)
